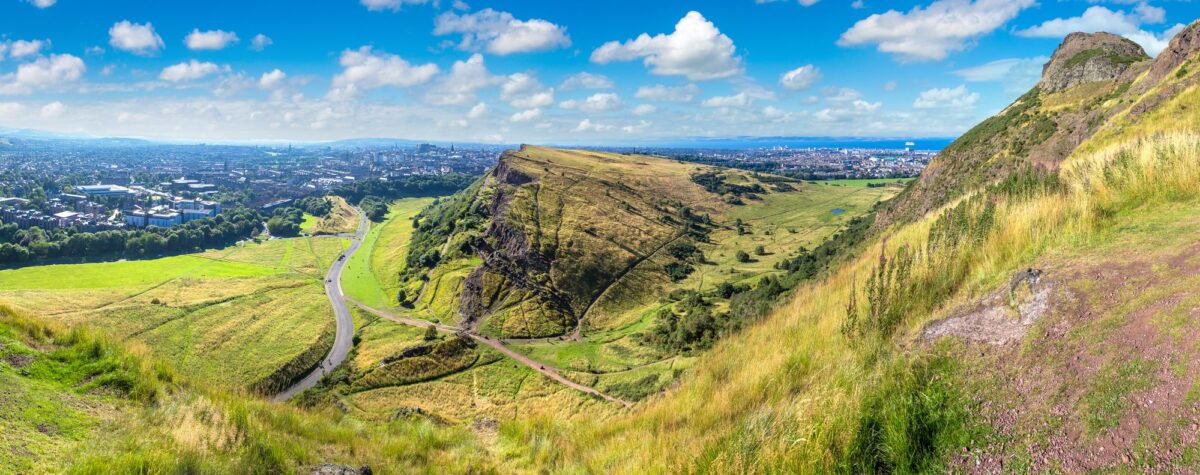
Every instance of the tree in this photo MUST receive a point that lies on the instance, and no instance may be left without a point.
(431, 333)
(743, 257)
(760, 250)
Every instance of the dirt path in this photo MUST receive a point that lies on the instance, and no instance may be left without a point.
(548, 371)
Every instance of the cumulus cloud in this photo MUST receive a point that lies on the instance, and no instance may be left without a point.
(477, 111)
(526, 115)
(644, 109)
(42, 3)
(932, 32)
(209, 40)
(854, 110)
(135, 38)
(586, 125)
(1017, 74)
(272, 79)
(53, 110)
(946, 98)
(44, 72)
(460, 86)
(1128, 24)
(740, 99)
(500, 33)
(661, 93)
(696, 50)
(841, 94)
(524, 91)
(23, 48)
(393, 5)
(800, 78)
(365, 68)
(261, 42)
(600, 102)
(189, 71)
(586, 80)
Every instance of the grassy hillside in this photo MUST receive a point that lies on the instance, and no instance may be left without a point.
(248, 316)
(342, 218)
(75, 402)
(918, 357)
(373, 275)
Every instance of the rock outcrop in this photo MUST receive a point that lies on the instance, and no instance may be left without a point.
(1178, 51)
(1089, 57)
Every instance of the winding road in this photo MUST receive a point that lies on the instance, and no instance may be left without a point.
(344, 338)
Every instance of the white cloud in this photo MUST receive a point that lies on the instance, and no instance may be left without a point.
(465, 78)
(586, 125)
(1098, 18)
(43, 73)
(663, 93)
(188, 71)
(135, 38)
(261, 42)
(890, 86)
(364, 69)
(477, 111)
(272, 79)
(22, 48)
(526, 115)
(600, 102)
(740, 99)
(855, 110)
(841, 94)
(53, 110)
(209, 40)
(932, 32)
(800, 78)
(523, 91)
(586, 80)
(696, 49)
(43, 3)
(644, 109)
(393, 5)
(11, 109)
(501, 33)
(1017, 74)
(947, 98)
(775, 113)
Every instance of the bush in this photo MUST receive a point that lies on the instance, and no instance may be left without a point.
(743, 257)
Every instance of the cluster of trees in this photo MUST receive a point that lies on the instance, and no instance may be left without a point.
(406, 187)
(374, 207)
(32, 244)
(715, 182)
(285, 222)
(318, 206)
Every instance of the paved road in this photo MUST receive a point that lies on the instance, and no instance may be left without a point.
(549, 371)
(345, 323)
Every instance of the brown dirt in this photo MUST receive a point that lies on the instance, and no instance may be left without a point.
(18, 361)
(1051, 397)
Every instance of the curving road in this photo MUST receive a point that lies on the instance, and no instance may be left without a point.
(345, 323)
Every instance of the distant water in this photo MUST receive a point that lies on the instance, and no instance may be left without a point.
(816, 142)
(838, 211)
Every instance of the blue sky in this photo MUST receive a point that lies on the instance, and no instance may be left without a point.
(588, 72)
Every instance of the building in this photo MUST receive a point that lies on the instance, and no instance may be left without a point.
(157, 216)
(104, 190)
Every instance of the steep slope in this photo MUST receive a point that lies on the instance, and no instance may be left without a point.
(1086, 82)
(934, 352)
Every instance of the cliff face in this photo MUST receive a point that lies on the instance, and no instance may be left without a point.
(1086, 82)
(1089, 57)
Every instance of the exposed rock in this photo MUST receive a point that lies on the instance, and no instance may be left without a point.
(1089, 57)
(335, 469)
(1178, 51)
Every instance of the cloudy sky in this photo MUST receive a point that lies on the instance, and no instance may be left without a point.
(585, 71)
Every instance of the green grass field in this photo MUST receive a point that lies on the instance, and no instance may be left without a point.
(372, 276)
(231, 317)
(863, 182)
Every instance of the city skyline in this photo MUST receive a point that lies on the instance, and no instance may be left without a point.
(508, 72)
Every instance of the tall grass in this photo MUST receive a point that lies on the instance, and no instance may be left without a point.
(796, 394)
